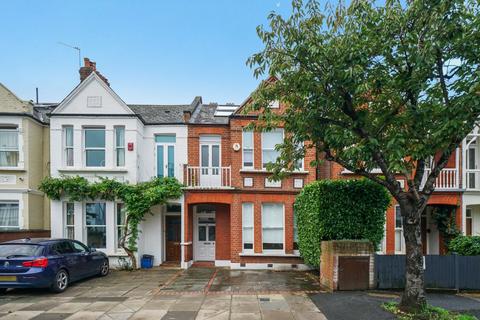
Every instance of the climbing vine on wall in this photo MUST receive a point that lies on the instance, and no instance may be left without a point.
(138, 199)
(444, 217)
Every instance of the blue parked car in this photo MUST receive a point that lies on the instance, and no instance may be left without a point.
(48, 263)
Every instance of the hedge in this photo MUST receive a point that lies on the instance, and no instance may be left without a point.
(465, 245)
(338, 210)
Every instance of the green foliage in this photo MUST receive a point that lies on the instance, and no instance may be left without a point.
(339, 209)
(465, 245)
(138, 199)
(444, 217)
(427, 313)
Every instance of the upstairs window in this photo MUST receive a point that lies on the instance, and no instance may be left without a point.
(94, 147)
(247, 145)
(120, 146)
(68, 145)
(9, 215)
(9, 152)
(269, 140)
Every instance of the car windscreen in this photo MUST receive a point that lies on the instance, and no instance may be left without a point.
(20, 250)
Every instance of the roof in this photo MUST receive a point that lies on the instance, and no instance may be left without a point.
(160, 114)
(212, 113)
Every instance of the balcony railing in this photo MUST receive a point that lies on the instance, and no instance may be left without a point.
(472, 179)
(446, 180)
(208, 177)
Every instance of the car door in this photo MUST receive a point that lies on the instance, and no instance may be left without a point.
(91, 261)
(71, 261)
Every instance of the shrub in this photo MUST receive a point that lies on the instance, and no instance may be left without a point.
(337, 210)
(465, 245)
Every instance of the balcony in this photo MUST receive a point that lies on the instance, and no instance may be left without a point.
(446, 180)
(208, 177)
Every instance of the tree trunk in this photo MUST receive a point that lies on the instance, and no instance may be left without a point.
(413, 298)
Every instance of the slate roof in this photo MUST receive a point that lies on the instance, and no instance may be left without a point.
(158, 114)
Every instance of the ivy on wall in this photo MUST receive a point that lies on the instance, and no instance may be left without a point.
(138, 199)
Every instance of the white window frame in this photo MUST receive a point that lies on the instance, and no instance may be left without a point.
(274, 104)
(85, 149)
(119, 147)
(17, 227)
(398, 230)
(283, 228)
(468, 216)
(301, 161)
(265, 149)
(15, 129)
(251, 150)
(117, 226)
(85, 236)
(65, 220)
(252, 227)
(66, 147)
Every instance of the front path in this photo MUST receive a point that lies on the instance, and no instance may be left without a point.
(199, 293)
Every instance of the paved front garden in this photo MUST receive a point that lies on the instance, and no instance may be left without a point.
(198, 293)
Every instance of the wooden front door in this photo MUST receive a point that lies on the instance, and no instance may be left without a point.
(172, 238)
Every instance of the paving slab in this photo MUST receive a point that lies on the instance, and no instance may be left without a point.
(22, 315)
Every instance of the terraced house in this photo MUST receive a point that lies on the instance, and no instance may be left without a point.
(24, 161)
(231, 214)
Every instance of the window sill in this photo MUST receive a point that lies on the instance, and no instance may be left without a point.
(268, 254)
(247, 170)
(93, 169)
(374, 171)
(12, 169)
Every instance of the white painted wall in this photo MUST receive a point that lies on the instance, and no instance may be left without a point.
(140, 164)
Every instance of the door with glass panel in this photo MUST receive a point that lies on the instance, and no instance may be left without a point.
(205, 237)
(165, 155)
(210, 171)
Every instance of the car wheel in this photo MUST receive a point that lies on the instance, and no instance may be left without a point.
(104, 269)
(61, 281)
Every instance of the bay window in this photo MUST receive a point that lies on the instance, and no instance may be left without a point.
(94, 147)
(68, 145)
(399, 240)
(269, 140)
(120, 222)
(9, 215)
(69, 218)
(272, 226)
(9, 151)
(95, 222)
(247, 226)
(247, 147)
(120, 146)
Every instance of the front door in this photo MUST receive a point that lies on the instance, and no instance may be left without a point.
(172, 238)
(165, 160)
(210, 164)
(205, 242)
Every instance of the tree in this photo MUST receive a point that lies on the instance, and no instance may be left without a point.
(390, 87)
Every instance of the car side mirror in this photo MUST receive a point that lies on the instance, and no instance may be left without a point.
(92, 249)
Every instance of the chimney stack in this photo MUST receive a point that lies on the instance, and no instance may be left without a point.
(88, 68)
(186, 116)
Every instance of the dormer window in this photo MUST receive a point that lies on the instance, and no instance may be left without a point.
(94, 101)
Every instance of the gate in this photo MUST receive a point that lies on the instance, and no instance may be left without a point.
(353, 273)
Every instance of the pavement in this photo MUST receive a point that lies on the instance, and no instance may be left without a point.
(197, 293)
(365, 305)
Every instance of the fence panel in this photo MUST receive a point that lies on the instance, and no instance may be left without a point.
(390, 271)
(468, 270)
(440, 271)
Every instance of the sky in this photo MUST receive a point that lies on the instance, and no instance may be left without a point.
(157, 52)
